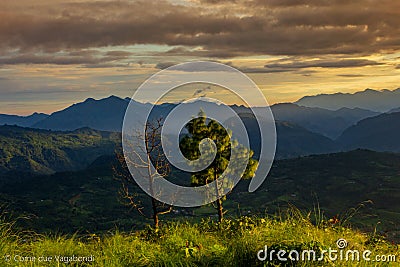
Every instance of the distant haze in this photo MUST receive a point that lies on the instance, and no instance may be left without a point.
(381, 101)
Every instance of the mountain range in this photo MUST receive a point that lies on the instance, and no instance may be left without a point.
(301, 130)
(379, 101)
(24, 121)
(59, 167)
(32, 150)
(380, 133)
(323, 121)
(292, 139)
(107, 115)
(394, 110)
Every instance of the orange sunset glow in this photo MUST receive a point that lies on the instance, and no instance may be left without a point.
(55, 53)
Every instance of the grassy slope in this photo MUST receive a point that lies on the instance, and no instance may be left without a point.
(234, 243)
(360, 187)
(239, 241)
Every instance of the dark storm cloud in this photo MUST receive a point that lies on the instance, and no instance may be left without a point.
(200, 93)
(118, 54)
(164, 65)
(214, 53)
(94, 24)
(193, 68)
(262, 70)
(265, 69)
(351, 75)
(291, 3)
(284, 27)
(293, 64)
(203, 92)
(341, 63)
(47, 59)
(88, 57)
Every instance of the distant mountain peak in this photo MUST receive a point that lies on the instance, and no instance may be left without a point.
(90, 99)
(287, 104)
(113, 97)
(353, 109)
(369, 99)
(367, 90)
(102, 114)
(379, 133)
(394, 110)
(23, 121)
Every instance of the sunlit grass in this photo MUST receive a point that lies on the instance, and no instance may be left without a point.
(232, 243)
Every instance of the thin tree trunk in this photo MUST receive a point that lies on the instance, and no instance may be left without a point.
(155, 212)
(219, 201)
(153, 201)
(220, 210)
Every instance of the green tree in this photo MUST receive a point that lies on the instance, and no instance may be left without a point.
(200, 128)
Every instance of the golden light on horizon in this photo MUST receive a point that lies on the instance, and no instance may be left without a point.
(61, 52)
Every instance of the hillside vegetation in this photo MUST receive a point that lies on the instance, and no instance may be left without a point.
(44, 152)
(359, 187)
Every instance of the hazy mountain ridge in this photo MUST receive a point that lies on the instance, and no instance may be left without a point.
(107, 114)
(380, 133)
(104, 114)
(394, 110)
(23, 121)
(380, 101)
(292, 140)
(43, 151)
(319, 120)
(300, 131)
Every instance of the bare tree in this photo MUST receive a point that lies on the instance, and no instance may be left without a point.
(153, 155)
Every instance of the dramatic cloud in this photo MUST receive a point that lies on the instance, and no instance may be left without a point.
(261, 70)
(220, 29)
(290, 48)
(351, 75)
(341, 63)
(164, 65)
(74, 57)
(247, 69)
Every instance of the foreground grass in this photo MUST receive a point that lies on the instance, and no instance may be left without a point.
(233, 243)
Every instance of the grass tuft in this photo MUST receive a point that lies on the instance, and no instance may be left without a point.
(231, 243)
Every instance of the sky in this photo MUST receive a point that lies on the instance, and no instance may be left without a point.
(55, 53)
